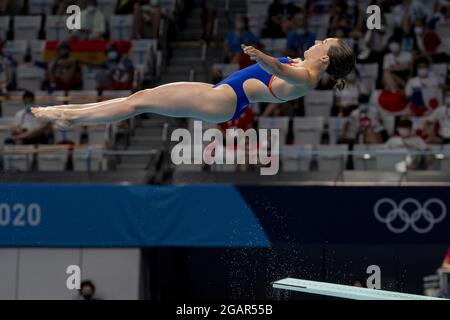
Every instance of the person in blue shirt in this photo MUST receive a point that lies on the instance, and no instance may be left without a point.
(300, 39)
(234, 39)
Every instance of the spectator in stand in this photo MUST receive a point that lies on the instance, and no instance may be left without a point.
(408, 139)
(346, 100)
(364, 125)
(374, 42)
(27, 129)
(407, 12)
(425, 80)
(63, 72)
(93, 22)
(441, 118)
(392, 98)
(397, 64)
(279, 13)
(300, 39)
(234, 40)
(117, 72)
(209, 13)
(87, 291)
(147, 15)
(8, 74)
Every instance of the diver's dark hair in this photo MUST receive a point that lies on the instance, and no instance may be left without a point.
(342, 62)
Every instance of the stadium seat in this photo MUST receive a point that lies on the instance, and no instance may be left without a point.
(142, 52)
(332, 158)
(4, 26)
(318, 103)
(88, 158)
(50, 98)
(55, 160)
(17, 157)
(441, 161)
(27, 27)
(112, 94)
(432, 95)
(107, 6)
(5, 129)
(37, 48)
(17, 49)
(368, 74)
(40, 6)
(441, 70)
(83, 96)
(335, 126)
(97, 135)
(68, 135)
(89, 79)
(29, 77)
(281, 123)
(308, 130)
(121, 27)
(55, 28)
(296, 157)
(318, 24)
(364, 157)
(390, 159)
(10, 108)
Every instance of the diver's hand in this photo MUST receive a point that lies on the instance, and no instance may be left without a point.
(252, 52)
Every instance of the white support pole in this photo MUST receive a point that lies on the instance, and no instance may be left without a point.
(343, 291)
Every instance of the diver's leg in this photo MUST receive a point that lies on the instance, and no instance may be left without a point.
(180, 99)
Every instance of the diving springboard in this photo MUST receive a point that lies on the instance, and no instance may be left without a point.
(343, 291)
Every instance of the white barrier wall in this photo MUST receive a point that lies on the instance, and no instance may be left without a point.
(32, 273)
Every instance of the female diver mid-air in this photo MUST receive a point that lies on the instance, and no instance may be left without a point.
(271, 79)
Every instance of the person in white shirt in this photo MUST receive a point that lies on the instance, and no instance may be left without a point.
(397, 64)
(364, 125)
(347, 99)
(425, 79)
(441, 117)
(406, 138)
(420, 89)
(27, 129)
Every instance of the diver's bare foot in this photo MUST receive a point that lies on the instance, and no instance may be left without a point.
(57, 115)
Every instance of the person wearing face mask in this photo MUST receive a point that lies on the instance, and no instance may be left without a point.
(63, 72)
(116, 72)
(93, 23)
(425, 80)
(406, 138)
(234, 39)
(27, 129)
(346, 100)
(300, 38)
(397, 63)
(441, 118)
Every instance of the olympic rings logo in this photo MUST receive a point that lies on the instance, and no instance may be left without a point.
(410, 219)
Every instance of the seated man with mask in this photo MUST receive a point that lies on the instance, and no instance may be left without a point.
(415, 87)
(27, 129)
(117, 72)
